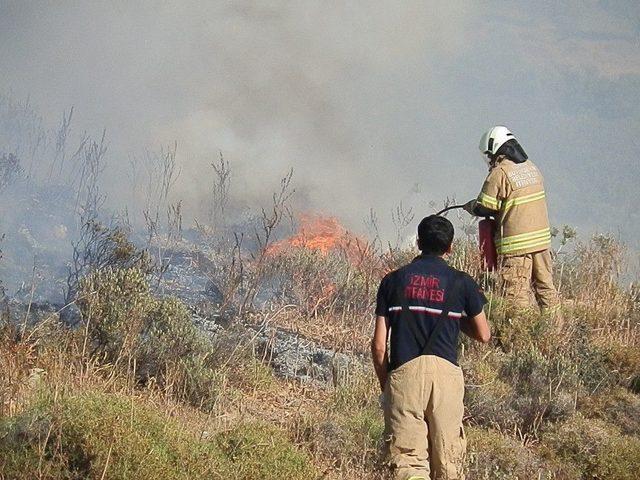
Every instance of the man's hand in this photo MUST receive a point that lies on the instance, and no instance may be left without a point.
(476, 327)
(470, 206)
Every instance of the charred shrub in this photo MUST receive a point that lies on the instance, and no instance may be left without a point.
(100, 247)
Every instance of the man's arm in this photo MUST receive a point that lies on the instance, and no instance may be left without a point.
(473, 207)
(379, 350)
(476, 327)
(482, 211)
(489, 200)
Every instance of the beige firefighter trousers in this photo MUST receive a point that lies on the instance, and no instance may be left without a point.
(423, 420)
(522, 272)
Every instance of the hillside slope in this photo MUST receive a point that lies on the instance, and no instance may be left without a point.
(135, 389)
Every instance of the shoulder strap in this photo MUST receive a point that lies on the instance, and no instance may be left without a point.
(450, 299)
(417, 333)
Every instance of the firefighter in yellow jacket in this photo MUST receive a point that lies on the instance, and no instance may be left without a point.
(513, 194)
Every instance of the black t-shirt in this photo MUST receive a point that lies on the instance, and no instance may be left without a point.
(421, 286)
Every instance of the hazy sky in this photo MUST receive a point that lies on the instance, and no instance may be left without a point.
(372, 103)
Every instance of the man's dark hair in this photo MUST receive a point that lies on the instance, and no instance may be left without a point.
(435, 234)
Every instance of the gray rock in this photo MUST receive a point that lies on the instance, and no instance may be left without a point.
(295, 357)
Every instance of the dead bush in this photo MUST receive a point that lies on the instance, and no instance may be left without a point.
(100, 247)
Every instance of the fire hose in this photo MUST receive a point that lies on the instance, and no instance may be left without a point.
(452, 207)
(486, 234)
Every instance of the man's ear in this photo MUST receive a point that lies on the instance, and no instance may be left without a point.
(419, 243)
(449, 250)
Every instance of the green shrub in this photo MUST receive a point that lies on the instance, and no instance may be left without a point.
(115, 306)
(518, 390)
(366, 430)
(487, 395)
(260, 451)
(595, 448)
(492, 455)
(358, 413)
(537, 373)
(345, 440)
(129, 327)
(349, 432)
(622, 356)
(93, 434)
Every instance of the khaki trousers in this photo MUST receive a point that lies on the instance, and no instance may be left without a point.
(521, 272)
(423, 420)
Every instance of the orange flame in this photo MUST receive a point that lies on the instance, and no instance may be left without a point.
(319, 233)
(315, 233)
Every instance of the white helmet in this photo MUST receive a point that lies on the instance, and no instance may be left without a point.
(493, 139)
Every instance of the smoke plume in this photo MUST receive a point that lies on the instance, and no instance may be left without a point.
(372, 104)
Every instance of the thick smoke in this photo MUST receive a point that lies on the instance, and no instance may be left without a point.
(271, 85)
(372, 104)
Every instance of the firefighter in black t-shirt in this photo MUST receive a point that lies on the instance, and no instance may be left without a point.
(420, 311)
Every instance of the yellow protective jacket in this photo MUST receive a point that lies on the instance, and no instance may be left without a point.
(516, 192)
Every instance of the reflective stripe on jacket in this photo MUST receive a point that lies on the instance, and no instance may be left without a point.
(516, 192)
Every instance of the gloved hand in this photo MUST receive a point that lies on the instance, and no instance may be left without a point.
(470, 206)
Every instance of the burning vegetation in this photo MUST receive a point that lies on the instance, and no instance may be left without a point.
(315, 232)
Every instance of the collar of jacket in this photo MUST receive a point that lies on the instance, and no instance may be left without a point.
(499, 159)
(429, 257)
